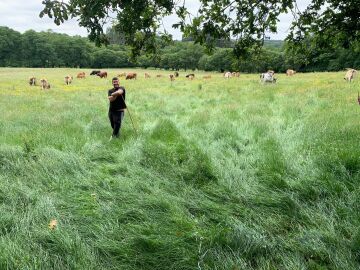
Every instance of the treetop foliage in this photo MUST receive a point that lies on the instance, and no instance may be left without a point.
(328, 22)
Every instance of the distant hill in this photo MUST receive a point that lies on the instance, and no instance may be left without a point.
(274, 44)
(270, 44)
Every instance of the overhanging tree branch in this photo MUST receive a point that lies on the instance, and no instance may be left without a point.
(248, 21)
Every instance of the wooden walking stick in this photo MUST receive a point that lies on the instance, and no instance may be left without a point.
(128, 110)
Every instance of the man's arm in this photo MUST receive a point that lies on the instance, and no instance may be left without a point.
(111, 98)
(118, 93)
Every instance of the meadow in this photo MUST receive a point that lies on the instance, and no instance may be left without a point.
(221, 174)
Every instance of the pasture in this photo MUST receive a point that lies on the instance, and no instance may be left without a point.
(222, 174)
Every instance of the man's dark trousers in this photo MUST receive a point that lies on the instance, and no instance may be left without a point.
(116, 118)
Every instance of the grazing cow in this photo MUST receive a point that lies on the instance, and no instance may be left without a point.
(268, 77)
(81, 75)
(122, 75)
(32, 81)
(147, 76)
(172, 77)
(207, 77)
(68, 80)
(159, 76)
(290, 72)
(236, 74)
(102, 74)
(190, 76)
(176, 74)
(227, 75)
(44, 84)
(95, 72)
(131, 76)
(350, 74)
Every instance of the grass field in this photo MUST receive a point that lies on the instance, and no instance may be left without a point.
(222, 174)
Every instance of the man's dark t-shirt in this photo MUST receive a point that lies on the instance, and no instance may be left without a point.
(119, 103)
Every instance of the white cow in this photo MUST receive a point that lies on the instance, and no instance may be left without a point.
(350, 74)
(227, 75)
(268, 77)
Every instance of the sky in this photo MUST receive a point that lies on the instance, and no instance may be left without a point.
(22, 15)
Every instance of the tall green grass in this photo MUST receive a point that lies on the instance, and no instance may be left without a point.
(221, 174)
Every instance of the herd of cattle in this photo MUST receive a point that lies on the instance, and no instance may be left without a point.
(268, 77)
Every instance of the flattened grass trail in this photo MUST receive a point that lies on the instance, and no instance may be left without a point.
(223, 174)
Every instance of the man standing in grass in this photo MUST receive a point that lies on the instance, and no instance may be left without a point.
(117, 107)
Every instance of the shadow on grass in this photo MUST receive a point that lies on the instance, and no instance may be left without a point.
(170, 154)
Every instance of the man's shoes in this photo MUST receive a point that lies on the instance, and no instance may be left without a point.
(114, 137)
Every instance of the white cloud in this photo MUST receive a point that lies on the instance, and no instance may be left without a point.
(24, 15)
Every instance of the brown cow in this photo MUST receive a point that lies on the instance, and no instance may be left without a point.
(147, 76)
(131, 76)
(122, 75)
(236, 74)
(350, 74)
(68, 79)
(176, 74)
(207, 77)
(172, 77)
(81, 75)
(190, 76)
(44, 84)
(159, 76)
(32, 81)
(102, 74)
(94, 72)
(290, 72)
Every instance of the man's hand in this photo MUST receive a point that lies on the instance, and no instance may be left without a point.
(118, 93)
(111, 98)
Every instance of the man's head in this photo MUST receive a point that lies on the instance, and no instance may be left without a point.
(115, 82)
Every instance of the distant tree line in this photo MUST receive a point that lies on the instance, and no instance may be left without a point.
(48, 49)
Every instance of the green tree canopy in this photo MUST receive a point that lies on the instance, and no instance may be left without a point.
(248, 22)
(9, 46)
(49, 49)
